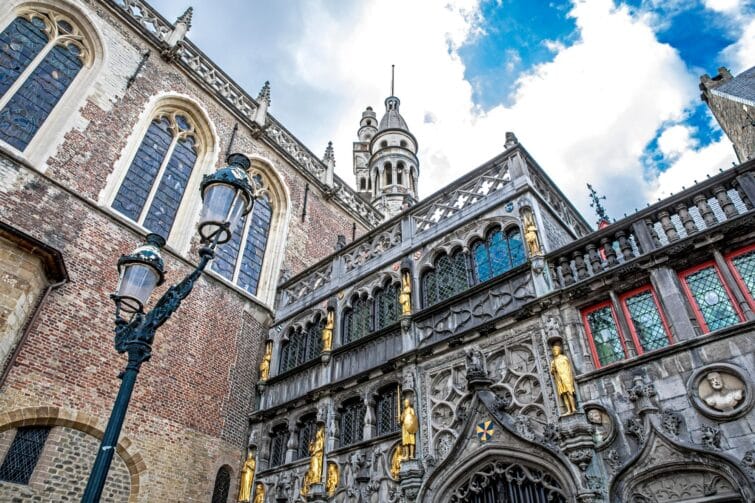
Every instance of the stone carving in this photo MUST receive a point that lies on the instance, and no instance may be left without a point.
(471, 312)
(711, 437)
(748, 463)
(671, 422)
(614, 461)
(307, 284)
(501, 473)
(720, 396)
(447, 204)
(576, 439)
(284, 487)
(678, 486)
(551, 435)
(602, 423)
(475, 363)
(636, 428)
(642, 393)
(516, 384)
(364, 251)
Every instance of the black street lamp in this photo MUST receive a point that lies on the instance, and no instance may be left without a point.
(227, 195)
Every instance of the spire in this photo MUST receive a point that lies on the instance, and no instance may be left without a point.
(393, 74)
(595, 204)
(263, 101)
(329, 156)
(185, 18)
(264, 94)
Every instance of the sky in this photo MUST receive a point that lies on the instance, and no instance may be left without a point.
(598, 91)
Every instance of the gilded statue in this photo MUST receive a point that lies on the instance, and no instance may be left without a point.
(316, 453)
(564, 376)
(259, 493)
(396, 459)
(265, 364)
(331, 483)
(530, 235)
(409, 427)
(247, 477)
(405, 297)
(327, 331)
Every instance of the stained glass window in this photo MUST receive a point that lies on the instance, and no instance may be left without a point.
(601, 325)
(516, 247)
(744, 265)
(254, 233)
(711, 298)
(352, 422)
(450, 277)
(222, 485)
(23, 454)
(386, 408)
(357, 320)
(386, 306)
(47, 63)
(278, 441)
(156, 180)
(643, 313)
(306, 433)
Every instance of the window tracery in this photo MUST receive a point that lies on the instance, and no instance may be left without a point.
(41, 53)
(303, 344)
(386, 408)
(357, 320)
(278, 441)
(352, 421)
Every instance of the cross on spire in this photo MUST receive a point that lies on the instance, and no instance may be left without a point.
(595, 204)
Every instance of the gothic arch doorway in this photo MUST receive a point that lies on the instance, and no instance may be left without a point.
(503, 481)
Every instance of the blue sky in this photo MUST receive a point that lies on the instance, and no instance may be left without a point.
(600, 91)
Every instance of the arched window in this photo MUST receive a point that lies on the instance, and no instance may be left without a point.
(222, 485)
(362, 184)
(154, 185)
(357, 322)
(388, 174)
(448, 278)
(352, 421)
(23, 454)
(41, 53)
(278, 441)
(498, 253)
(302, 345)
(386, 306)
(386, 409)
(306, 433)
(245, 268)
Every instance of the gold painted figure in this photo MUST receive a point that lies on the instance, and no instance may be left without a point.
(530, 235)
(405, 297)
(247, 477)
(409, 427)
(259, 493)
(564, 376)
(396, 459)
(327, 331)
(331, 484)
(316, 452)
(265, 364)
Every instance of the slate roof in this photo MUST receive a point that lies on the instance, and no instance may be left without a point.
(741, 88)
(392, 120)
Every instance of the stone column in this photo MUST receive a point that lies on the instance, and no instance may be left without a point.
(674, 302)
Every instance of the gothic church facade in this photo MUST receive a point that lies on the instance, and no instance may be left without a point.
(483, 344)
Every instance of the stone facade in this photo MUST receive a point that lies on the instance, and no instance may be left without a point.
(732, 102)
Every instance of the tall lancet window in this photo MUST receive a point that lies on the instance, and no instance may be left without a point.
(156, 180)
(41, 52)
(243, 265)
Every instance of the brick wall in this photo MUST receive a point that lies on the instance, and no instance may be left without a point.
(22, 281)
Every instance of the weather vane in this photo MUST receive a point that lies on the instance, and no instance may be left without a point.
(595, 204)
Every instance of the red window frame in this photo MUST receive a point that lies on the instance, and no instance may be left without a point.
(591, 340)
(691, 298)
(628, 316)
(738, 277)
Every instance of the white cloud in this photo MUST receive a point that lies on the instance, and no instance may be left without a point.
(675, 141)
(693, 165)
(724, 6)
(740, 56)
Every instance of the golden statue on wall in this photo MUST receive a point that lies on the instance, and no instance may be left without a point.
(259, 493)
(247, 477)
(327, 330)
(331, 483)
(564, 376)
(530, 234)
(396, 459)
(265, 364)
(405, 297)
(409, 427)
(316, 453)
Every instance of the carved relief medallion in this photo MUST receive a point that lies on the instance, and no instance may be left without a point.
(720, 391)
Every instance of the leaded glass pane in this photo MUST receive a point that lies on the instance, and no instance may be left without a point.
(222, 486)
(352, 421)
(305, 435)
(500, 258)
(430, 288)
(482, 262)
(386, 301)
(224, 262)
(141, 175)
(711, 298)
(32, 103)
(256, 242)
(605, 335)
(23, 454)
(20, 43)
(387, 412)
(745, 265)
(314, 339)
(516, 248)
(170, 191)
(301, 347)
(279, 438)
(284, 357)
(359, 320)
(647, 321)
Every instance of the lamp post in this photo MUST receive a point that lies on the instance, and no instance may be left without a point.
(227, 195)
